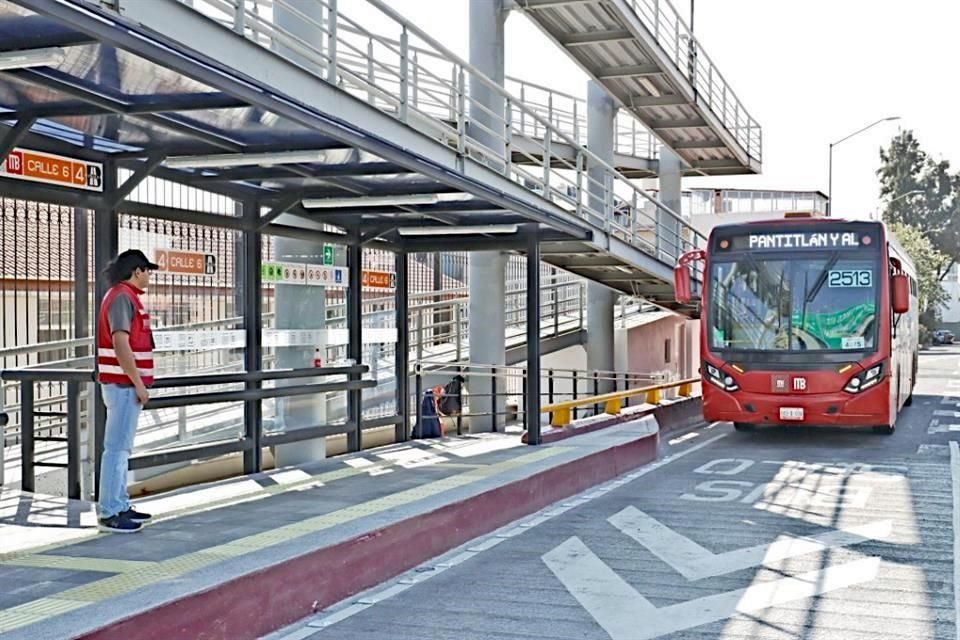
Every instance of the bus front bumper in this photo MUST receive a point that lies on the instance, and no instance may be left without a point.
(868, 408)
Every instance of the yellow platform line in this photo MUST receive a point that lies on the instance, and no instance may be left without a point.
(13, 558)
(71, 563)
(130, 577)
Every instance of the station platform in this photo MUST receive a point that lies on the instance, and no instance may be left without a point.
(243, 557)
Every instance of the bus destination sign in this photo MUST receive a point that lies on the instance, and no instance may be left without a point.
(798, 240)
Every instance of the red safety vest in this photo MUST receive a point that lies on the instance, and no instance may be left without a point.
(141, 340)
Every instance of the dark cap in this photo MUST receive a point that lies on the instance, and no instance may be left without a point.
(123, 266)
(134, 259)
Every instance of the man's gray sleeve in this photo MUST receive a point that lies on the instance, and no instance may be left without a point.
(120, 314)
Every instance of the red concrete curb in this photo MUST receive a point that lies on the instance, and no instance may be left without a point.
(555, 434)
(690, 412)
(262, 602)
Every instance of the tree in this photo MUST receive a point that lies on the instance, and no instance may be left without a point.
(936, 209)
(929, 263)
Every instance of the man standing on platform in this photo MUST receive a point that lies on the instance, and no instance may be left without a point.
(125, 372)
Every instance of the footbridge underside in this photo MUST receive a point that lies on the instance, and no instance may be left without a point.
(642, 52)
(239, 105)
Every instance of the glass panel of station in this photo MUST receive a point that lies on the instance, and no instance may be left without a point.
(196, 309)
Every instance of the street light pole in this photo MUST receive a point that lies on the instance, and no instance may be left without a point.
(830, 162)
(904, 195)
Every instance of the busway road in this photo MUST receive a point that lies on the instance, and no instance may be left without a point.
(800, 533)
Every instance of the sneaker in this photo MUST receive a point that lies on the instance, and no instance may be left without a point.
(136, 516)
(118, 524)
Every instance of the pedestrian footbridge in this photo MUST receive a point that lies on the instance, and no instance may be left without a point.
(321, 127)
(642, 52)
(252, 137)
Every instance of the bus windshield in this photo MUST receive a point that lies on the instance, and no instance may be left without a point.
(820, 302)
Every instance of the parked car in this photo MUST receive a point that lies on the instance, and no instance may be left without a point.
(943, 336)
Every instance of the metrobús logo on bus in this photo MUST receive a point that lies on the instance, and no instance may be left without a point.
(812, 240)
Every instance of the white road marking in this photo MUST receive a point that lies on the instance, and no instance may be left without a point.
(333, 615)
(626, 615)
(946, 414)
(955, 473)
(936, 427)
(694, 562)
(613, 603)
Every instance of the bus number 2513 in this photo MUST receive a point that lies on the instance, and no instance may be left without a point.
(850, 278)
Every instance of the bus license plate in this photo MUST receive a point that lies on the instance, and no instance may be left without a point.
(791, 413)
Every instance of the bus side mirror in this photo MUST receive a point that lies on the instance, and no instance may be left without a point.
(901, 294)
(681, 283)
(681, 275)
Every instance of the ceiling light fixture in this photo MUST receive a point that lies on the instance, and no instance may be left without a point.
(452, 230)
(377, 201)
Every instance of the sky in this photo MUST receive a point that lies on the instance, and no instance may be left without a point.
(811, 72)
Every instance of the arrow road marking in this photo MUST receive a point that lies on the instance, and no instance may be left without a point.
(626, 615)
(614, 604)
(936, 427)
(694, 562)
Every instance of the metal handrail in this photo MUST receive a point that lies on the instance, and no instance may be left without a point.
(75, 377)
(496, 383)
(691, 60)
(565, 183)
(631, 137)
(613, 401)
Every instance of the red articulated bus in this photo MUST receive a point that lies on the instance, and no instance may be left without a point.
(805, 321)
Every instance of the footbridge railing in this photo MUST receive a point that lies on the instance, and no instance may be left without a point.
(384, 72)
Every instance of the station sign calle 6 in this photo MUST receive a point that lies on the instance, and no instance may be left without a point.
(378, 279)
(49, 168)
(186, 262)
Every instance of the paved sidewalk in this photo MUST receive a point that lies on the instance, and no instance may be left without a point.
(242, 557)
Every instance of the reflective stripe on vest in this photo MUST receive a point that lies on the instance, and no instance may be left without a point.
(109, 370)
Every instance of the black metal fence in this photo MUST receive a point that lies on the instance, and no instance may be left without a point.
(252, 438)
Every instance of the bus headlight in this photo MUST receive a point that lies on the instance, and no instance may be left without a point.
(865, 379)
(722, 380)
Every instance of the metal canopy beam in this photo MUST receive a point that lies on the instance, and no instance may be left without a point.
(15, 135)
(278, 210)
(134, 180)
(65, 83)
(34, 32)
(309, 234)
(407, 210)
(62, 196)
(388, 190)
(176, 214)
(464, 223)
(513, 242)
(293, 93)
(375, 233)
(464, 208)
(324, 171)
(159, 103)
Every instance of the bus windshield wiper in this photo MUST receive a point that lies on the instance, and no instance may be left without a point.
(822, 277)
